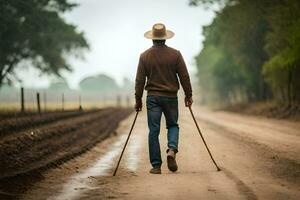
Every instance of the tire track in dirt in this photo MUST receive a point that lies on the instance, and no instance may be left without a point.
(241, 186)
(281, 168)
(281, 136)
(73, 188)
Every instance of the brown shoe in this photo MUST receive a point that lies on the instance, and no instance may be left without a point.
(171, 159)
(155, 170)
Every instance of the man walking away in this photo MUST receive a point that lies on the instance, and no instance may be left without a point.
(162, 66)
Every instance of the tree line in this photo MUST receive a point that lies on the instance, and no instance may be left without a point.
(96, 87)
(251, 52)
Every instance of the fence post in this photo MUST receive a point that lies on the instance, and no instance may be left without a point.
(38, 102)
(32, 98)
(62, 102)
(22, 100)
(80, 107)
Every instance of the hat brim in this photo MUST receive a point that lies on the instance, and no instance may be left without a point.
(149, 35)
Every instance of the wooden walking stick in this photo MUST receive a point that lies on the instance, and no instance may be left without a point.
(115, 172)
(218, 168)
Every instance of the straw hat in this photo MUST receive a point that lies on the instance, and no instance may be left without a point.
(159, 32)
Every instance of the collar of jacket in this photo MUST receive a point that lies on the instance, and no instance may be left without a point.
(159, 45)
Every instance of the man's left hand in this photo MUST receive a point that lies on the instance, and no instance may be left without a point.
(138, 105)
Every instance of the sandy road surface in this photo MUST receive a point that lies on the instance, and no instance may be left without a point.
(259, 158)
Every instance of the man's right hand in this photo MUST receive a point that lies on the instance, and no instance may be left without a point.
(138, 105)
(188, 101)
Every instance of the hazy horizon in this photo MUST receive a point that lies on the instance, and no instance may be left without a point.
(115, 32)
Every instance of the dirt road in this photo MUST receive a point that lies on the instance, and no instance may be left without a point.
(259, 159)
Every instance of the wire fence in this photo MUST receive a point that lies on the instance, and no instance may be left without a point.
(42, 101)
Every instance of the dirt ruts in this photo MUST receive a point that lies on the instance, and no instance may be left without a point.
(19, 122)
(42, 140)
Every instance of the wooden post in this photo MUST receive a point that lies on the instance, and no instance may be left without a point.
(62, 102)
(80, 107)
(32, 98)
(22, 100)
(38, 102)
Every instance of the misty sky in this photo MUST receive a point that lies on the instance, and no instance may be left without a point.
(114, 30)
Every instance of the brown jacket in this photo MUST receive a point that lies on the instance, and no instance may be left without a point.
(161, 65)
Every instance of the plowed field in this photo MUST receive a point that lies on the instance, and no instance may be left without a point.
(29, 142)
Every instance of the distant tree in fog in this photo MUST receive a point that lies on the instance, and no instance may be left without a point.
(99, 84)
(59, 86)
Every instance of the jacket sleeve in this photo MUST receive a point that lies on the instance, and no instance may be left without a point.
(183, 75)
(140, 80)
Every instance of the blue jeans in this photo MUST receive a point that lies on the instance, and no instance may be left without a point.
(156, 105)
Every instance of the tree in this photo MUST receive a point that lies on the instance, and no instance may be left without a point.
(282, 70)
(219, 75)
(260, 40)
(237, 34)
(59, 86)
(34, 31)
(100, 84)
